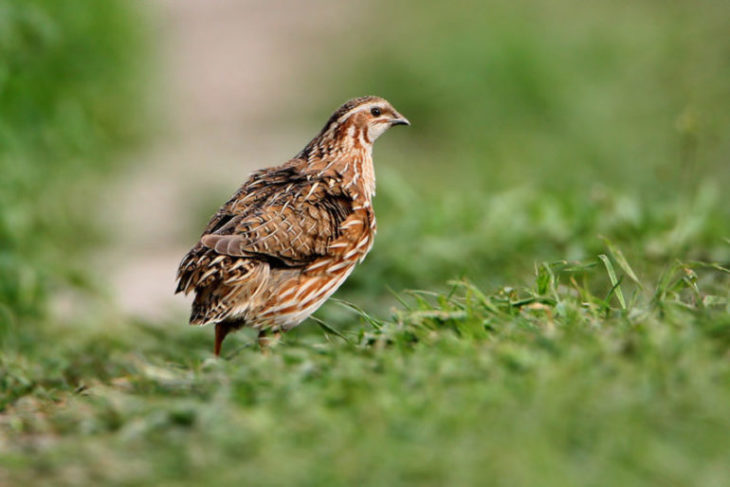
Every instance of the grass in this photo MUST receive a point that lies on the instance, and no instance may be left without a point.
(558, 211)
(554, 384)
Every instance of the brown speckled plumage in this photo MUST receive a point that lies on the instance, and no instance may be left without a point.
(291, 234)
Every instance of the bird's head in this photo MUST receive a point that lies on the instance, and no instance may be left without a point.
(362, 120)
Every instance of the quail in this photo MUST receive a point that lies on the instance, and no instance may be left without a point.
(292, 234)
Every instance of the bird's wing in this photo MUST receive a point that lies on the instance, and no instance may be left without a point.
(292, 226)
(259, 188)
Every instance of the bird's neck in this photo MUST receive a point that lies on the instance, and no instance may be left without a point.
(348, 158)
(362, 174)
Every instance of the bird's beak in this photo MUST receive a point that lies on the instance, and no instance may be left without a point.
(400, 120)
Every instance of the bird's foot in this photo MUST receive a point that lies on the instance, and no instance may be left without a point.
(221, 330)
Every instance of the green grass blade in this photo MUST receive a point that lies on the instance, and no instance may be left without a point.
(615, 282)
(621, 261)
(328, 329)
(377, 324)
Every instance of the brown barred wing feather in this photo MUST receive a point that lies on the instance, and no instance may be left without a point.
(294, 228)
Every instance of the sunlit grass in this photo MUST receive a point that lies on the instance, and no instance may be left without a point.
(558, 377)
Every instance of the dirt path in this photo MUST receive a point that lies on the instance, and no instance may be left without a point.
(229, 71)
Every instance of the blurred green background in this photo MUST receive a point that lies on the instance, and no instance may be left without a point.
(560, 204)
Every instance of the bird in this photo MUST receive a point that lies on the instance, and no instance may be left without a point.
(291, 234)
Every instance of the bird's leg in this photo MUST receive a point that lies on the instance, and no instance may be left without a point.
(266, 341)
(221, 330)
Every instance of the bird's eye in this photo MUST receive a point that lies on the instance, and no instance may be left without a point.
(375, 111)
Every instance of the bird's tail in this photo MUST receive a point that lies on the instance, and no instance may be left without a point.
(206, 307)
